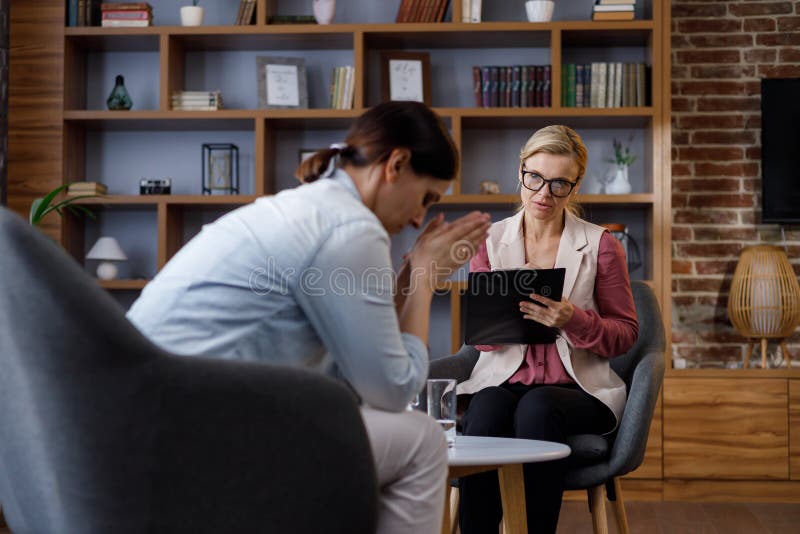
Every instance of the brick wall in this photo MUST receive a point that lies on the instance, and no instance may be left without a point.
(720, 52)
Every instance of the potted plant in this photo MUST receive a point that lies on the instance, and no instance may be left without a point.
(192, 15)
(42, 206)
(623, 159)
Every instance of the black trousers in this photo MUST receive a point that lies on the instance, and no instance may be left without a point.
(545, 412)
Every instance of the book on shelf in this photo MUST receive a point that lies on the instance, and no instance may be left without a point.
(511, 86)
(131, 23)
(615, 2)
(125, 6)
(421, 11)
(604, 85)
(615, 8)
(291, 19)
(475, 8)
(83, 12)
(246, 12)
(342, 87)
(613, 15)
(86, 188)
(196, 100)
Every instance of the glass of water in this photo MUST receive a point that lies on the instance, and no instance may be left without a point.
(442, 405)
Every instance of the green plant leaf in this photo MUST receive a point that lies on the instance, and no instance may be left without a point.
(42, 205)
(78, 209)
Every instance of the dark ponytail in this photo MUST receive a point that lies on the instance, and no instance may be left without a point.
(383, 128)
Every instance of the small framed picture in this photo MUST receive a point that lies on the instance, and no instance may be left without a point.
(282, 83)
(406, 76)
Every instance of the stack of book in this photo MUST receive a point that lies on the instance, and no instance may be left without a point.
(247, 8)
(342, 87)
(613, 10)
(516, 86)
(196, 100)
(604, 85)
(422, 10)
(126, 14)
(86, 188)
(83, 12)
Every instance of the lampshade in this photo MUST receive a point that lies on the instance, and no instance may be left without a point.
(764, 300)
(106, 249)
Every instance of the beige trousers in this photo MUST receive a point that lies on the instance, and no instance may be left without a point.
(410, 454)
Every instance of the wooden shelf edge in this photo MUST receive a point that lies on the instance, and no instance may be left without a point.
(508, 200)
(188, 200)
(122, 284)
(388, 27)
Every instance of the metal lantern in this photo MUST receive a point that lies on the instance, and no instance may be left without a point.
(633, 255)
(764, 301)
(220, 169)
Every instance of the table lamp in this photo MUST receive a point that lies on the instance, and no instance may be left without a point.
(764, 300)
(106, 250)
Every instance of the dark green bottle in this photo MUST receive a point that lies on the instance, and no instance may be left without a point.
(119, 99)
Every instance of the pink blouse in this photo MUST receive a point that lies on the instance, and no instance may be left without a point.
(609, 332)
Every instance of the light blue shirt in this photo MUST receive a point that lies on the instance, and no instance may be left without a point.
(302, 278)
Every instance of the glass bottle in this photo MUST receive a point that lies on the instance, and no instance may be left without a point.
(119, 99)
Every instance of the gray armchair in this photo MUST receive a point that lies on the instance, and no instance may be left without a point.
(100, 431)
(598, 461)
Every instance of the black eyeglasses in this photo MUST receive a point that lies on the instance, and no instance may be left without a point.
(558, 186)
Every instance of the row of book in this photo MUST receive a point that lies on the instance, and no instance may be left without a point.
(613, 10)
(604, 85)
(196, 100)
(516, 86)
(342, 87)
(422, 10)
(126, 15)
(247, 12)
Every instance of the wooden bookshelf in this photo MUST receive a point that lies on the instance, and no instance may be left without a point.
(173, 49)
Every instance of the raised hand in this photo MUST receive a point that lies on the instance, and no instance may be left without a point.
(444, 246)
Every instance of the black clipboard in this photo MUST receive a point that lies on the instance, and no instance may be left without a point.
(492, 306)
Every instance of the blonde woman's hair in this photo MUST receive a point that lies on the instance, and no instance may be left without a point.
(560, 141)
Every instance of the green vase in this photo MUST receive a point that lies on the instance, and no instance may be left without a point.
(119, 99)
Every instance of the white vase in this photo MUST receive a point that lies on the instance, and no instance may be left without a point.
(191, 15)
(619, 185)
(539, 10)
(324, 11)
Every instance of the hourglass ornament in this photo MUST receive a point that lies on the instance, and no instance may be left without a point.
(764, 300)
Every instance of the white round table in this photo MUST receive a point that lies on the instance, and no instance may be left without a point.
(476, 454)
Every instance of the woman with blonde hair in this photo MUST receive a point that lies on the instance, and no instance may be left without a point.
(551, 391)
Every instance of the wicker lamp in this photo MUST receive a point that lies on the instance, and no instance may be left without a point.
(764, 301)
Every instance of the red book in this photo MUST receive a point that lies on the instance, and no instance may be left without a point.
(476, 86)
(125, 6)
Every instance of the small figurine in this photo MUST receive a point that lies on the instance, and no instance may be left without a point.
(490, 187)
(119, 99)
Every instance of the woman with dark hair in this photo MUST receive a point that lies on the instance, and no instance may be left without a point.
(304, 278)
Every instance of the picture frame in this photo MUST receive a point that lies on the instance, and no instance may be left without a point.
(406, 76)
(282, 82)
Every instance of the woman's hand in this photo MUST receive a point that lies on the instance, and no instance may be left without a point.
(443, 246)
(549, 313)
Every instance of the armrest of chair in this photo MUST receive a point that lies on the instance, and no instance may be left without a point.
(629, 446)
(251, 447)
(458, 366)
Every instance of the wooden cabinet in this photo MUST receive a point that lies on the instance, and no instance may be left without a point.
(794, 429)
(153, 141)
